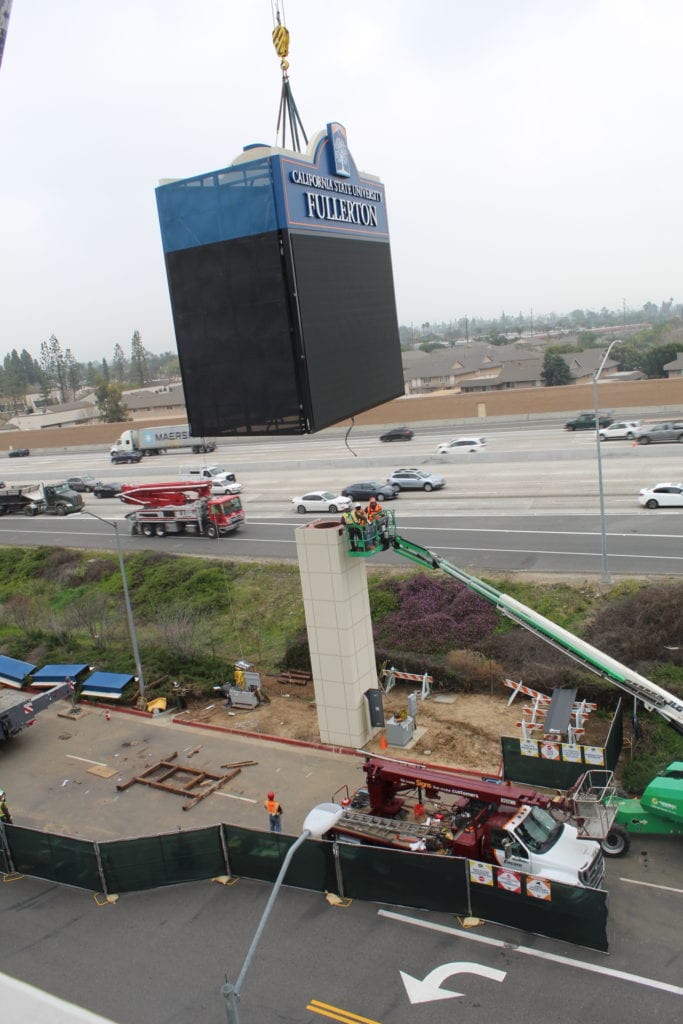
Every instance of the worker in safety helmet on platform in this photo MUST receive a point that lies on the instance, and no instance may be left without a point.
(361, 520)
(377, 518)
(373, 509)
(5, 816)
(359, 516)
(352, 528)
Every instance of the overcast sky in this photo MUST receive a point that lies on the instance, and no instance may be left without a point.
(531, 149)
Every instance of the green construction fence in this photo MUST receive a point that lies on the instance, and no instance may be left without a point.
(395, 877)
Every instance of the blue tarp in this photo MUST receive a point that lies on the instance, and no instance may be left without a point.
(106, 684)
(48, 675)
(14, 672)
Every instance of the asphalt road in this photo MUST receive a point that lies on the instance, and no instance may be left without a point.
(161, 956)
(529, 503)
(540, 542)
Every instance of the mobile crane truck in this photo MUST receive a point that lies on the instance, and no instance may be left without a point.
(486, 819)
(18, 710)
(615, 839)
(182, 507)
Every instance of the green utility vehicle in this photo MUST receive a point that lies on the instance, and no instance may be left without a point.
(660, 809)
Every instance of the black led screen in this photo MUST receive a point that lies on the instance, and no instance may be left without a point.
(347, 314)
(232, 324)
(284, 332)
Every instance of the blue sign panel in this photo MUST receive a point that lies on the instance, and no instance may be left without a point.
(328, 194)
(321, 191)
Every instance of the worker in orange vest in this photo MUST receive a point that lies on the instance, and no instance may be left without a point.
(373, 509)
(377, 518)
(274, 809)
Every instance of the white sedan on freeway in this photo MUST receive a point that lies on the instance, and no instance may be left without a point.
(321, 501)
(459, 445)
(662, 496)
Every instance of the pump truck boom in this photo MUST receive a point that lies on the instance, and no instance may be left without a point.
(489, 819)
(652, 696)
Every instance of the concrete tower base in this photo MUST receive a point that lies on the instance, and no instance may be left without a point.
(339, 629)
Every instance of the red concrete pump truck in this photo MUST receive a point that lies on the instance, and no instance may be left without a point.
(181, 507)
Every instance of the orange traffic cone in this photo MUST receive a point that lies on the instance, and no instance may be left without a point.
(383, 742)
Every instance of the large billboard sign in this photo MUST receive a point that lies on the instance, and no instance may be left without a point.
(281, 283)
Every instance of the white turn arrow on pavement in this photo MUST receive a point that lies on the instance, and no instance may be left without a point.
(428, 989)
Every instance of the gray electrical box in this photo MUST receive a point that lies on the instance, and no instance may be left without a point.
(374, 699)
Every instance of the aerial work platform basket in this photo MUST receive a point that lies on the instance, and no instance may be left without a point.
(368, 540)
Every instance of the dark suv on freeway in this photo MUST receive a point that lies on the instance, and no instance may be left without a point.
(398, 434)
(586, 421)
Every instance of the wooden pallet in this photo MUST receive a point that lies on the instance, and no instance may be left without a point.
(292, 677)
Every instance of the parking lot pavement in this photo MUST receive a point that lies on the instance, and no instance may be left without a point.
(47, 772)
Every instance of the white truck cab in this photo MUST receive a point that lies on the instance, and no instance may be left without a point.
(532, 841)
(222, 480)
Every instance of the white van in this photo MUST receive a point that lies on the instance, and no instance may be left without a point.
(222, 481)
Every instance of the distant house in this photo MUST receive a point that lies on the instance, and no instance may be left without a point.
(68, 414)
(675, 367)
(584, 365)
(518, 373)
(151, 402)
(141, 404)
(474, 367)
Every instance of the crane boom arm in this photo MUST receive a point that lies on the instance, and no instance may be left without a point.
(652, 695)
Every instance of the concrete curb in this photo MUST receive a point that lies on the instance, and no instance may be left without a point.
(264, 736)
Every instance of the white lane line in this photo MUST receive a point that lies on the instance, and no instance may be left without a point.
(231, 796)
(651, 885)
(87, 760)
(566, 961)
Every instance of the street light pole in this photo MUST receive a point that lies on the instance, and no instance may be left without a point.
(126, 598)
(603, 530)
(318, 821)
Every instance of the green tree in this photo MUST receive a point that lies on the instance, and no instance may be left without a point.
(74, 373)
(54, 363)
(119, 364)
(138, 360)
(654, 360)
(555, 370)
(14, 381)
(109, 401)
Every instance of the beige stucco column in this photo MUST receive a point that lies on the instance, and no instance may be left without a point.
(337, 607)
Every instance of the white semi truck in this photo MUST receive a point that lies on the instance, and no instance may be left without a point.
(157, 440)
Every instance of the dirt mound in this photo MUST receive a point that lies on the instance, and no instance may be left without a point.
(460, 729)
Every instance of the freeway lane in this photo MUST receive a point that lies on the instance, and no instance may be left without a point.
(638, 544)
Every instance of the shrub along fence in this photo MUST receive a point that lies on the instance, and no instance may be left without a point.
(450, 885)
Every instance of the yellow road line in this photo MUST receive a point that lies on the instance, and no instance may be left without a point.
(325, 1010)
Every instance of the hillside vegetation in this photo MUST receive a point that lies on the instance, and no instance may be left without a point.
(195, 617)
